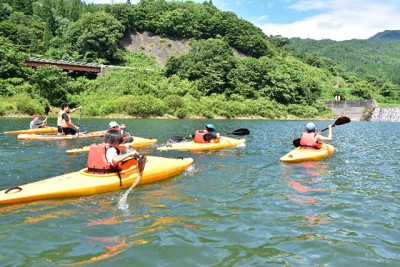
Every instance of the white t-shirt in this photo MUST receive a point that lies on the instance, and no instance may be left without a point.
(111, 152)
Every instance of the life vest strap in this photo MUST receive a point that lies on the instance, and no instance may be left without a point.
(103, 170)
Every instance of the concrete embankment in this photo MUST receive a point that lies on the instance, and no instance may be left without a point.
(356, 110)
(363, 110)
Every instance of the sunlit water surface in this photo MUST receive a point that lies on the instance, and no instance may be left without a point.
(233, 207)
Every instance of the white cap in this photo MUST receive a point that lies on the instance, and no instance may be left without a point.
(113, 124)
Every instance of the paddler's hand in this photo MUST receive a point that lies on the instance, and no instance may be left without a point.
(133, 153)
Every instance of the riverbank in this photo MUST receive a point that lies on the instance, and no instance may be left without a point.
(124, 116)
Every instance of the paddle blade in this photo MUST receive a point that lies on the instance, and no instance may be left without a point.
(47, 110)
(339, 121)
(141, 163)
(241, 131)
(296, 142)
(342, 120)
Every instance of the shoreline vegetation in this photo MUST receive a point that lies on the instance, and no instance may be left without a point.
(164, 64)
(124, 116)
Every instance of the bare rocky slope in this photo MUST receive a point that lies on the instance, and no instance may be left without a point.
(159, 47)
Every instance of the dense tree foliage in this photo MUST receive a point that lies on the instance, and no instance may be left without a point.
(271, 80)
(377, 56)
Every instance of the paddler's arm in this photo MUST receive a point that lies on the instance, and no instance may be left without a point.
(326, 138)
(74, 109)
(119, 158)
(71, 124)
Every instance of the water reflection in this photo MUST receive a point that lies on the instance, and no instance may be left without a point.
(305, 179)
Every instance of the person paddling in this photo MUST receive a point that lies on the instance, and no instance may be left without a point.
(208, 135)
(37, 123)
(64, 123)
(106, 157)
(310, 139)
(65, 109)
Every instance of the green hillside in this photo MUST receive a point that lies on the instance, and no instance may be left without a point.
(272, 80)
(377, 56)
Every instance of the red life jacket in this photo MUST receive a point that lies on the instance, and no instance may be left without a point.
(309, 141)
(97, 162)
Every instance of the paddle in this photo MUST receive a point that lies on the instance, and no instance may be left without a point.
(46, 111)
(240, 131)
(339, 121)
(79, 121)
(141, 164)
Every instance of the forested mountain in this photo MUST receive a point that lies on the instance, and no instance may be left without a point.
(377, 56)
(272, 81)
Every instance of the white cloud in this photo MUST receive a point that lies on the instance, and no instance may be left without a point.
(340, 20)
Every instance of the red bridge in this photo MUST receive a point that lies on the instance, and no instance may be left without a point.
(66, 65)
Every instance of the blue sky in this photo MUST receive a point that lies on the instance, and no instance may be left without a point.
(317, 19)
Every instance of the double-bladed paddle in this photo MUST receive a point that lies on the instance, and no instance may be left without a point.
(339, 121)
(240, 131)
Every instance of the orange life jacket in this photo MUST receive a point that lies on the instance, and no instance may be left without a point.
(97, 162)
(199, 136)
(309, 141)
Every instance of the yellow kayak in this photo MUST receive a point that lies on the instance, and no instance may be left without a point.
(192, 146)
(46, 129)
(137, 143)
(82, 183)
(300, 155)
(60, 137)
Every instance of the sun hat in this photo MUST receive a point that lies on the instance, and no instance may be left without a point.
(310, 127)
(113, 124)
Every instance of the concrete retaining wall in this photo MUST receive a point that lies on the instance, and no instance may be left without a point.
(356, 110)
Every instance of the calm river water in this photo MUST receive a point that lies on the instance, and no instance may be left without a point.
(234, 207)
